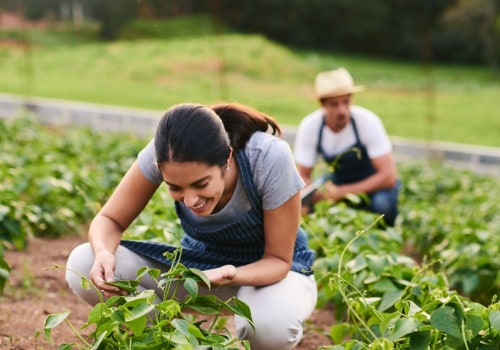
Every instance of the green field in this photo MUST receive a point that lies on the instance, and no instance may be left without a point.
(443, 103)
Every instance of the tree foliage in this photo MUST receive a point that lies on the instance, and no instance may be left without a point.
(461, 31)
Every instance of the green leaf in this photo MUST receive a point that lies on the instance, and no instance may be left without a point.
(4, 273)
(126, 285)
(473, 323)
(494, 319)
(207, 304)
(4, 210)
(191, 287)
(95, 314)
(389, 299)
(118, 315)
(52, 321)
(201, 275)
(357, 264)
(376, 263)
(153, 273)
(339, 331)
(403, 327)
(181, 325)
(240, 308)
(137, 324)
(385, 285)
(97, 343)
(420, 340)
(189, 331)
(139, 310)
(444, 319)
(387, 321)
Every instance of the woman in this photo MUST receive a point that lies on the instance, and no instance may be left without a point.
(237, 194)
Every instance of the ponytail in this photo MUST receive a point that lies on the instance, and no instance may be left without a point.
(241, 122)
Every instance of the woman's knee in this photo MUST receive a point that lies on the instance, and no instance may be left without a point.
(79, 263)
(277, 312)
(78, 266)
(270, 332)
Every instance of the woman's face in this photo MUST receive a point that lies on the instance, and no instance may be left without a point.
(199, 186)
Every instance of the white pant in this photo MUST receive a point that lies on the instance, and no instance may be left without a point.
(277, 310)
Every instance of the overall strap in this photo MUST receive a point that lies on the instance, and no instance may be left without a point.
(247, 177)
(319, 149)
(355, 130)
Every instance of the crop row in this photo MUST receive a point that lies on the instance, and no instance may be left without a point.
(429, 282)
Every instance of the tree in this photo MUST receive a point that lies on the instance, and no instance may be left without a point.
(477, 25)
(112, 15)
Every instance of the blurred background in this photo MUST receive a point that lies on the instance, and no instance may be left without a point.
(430, 66)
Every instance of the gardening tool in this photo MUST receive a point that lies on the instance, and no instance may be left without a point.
(309, 190)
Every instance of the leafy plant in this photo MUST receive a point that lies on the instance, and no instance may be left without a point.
(451, 217)
(391, 287)
(142, 320)
(386, 301)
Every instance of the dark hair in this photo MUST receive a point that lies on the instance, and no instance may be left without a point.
(242, 121)
(195, 133)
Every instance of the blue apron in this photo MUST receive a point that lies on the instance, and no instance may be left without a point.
(351, 165)
(237, 243)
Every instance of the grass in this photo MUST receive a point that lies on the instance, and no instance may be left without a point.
(445, 103)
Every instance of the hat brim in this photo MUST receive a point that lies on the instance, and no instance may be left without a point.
(350, 90)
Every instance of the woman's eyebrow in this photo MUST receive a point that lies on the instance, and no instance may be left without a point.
(197, 182)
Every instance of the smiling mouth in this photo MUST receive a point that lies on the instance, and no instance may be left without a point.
(199, 206)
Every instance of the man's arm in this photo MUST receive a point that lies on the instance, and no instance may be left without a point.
(385, 177)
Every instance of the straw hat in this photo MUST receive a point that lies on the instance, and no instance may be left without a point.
(334, 83)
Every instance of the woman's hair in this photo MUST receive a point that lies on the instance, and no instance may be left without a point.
(196, 133)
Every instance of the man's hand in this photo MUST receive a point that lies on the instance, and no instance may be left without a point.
(333, 192)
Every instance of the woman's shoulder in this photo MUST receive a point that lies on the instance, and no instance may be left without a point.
(264, 141)
(264, 149)
(274, 172)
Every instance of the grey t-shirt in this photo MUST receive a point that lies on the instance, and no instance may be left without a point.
(274, 174)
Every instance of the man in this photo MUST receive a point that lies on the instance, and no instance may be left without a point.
(353, 141)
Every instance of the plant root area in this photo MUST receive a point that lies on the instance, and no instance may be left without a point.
(37, 289)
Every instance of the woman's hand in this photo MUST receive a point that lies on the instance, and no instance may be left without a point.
(103, 271)
(221, 276)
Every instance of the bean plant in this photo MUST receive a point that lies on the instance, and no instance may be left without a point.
(383, 298)
(142, 320)
(429, 282)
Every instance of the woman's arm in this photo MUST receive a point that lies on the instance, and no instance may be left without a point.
(106, 229)
(280, 230)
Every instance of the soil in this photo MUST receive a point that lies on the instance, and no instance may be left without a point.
(37, 289)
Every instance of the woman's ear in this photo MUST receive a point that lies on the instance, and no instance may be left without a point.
(230, 155)
(229, 158)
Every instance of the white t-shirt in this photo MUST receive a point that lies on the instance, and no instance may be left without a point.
(274, 174)
(371, 133)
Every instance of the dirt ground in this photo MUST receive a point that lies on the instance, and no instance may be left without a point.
(36, 290)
